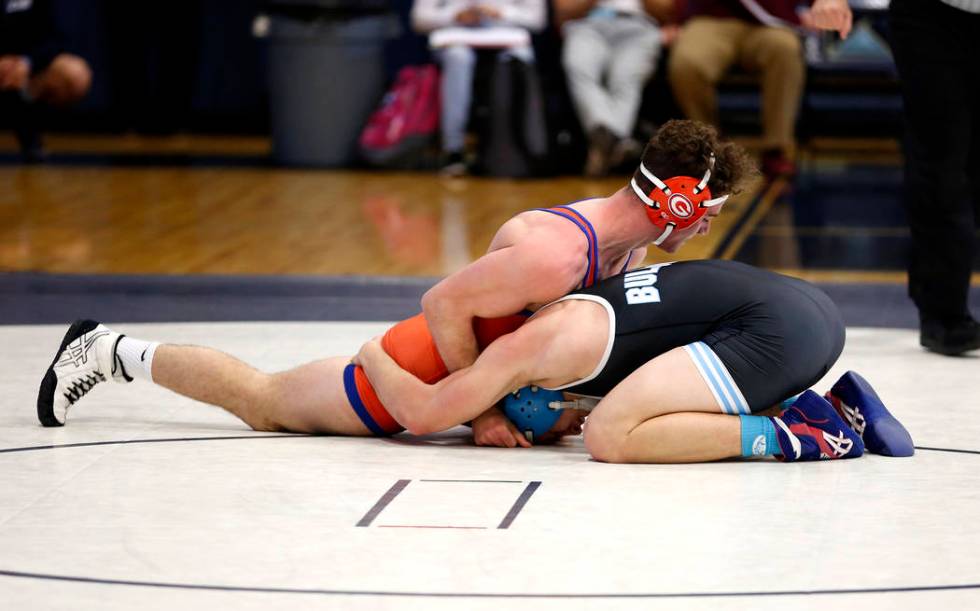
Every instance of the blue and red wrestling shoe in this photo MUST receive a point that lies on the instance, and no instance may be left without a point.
(810, 429)
(859, 405)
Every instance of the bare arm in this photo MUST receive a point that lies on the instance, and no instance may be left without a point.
(543, 351)
(464, 395)
(500, 283)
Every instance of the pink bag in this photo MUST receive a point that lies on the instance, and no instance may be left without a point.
(397, 133)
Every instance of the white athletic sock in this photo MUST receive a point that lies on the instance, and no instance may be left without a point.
(136, 356)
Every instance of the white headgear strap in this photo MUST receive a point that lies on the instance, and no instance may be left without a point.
(652, 178)
(707, 175)
(643, 196)
(708, 203)
(663, 236)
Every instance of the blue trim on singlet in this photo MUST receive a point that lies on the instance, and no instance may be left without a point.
(590, 236)
(350, 387)
(626, 266)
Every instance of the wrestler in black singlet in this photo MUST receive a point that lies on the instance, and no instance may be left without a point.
(775, 335)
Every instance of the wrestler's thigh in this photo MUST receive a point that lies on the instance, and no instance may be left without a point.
(667, 384)
(311, 399)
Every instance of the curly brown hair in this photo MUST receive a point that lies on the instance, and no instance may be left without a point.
(683, 147)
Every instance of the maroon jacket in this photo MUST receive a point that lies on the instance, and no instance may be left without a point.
(783, 9)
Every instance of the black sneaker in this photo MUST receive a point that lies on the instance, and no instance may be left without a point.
(951, 339)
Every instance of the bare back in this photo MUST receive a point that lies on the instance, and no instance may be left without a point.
(565, 241)
(534, 258)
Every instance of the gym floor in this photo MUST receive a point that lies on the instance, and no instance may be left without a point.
(149, 499)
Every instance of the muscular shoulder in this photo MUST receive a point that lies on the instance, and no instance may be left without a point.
(545, 245)
(540, 230)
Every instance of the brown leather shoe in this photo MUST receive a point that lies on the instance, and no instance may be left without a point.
(601, 142)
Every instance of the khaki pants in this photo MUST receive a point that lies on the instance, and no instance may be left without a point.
(708, 46)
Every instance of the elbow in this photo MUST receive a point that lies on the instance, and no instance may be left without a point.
(417, 424)
(435, 304)
(421, 430)
(418, 419)
(428, 301)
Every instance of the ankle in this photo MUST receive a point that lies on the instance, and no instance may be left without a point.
(135, 356)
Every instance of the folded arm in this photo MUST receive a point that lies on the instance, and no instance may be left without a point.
(500, 283)
(422, 408)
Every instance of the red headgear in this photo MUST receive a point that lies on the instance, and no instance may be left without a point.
(678, 202)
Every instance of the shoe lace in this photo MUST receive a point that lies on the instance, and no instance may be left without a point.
(81, 386)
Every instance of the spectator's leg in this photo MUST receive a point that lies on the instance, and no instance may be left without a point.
(941, 118)
(458, 64)
(705, 48)
(585, 53)
(634, 58)
(585, 57)
(778, 55)
(66, 81)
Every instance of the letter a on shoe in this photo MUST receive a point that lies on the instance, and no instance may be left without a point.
(810, 429)
(858, 404)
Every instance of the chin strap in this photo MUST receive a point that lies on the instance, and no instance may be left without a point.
(669, 229)
(583, 403)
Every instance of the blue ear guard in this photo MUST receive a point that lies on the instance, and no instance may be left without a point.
(528, 409)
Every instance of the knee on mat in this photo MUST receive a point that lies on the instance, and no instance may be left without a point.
(262, 408)
(604, 443)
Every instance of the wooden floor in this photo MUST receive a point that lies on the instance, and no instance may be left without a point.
(185, 220)
(107, 214)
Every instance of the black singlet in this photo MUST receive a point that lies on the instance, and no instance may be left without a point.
(775, 335)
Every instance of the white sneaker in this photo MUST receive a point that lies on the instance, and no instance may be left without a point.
(86, 357)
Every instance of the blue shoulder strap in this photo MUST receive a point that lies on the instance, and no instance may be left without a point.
(566, 212)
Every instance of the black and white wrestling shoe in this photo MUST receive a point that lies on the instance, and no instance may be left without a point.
(87, 356)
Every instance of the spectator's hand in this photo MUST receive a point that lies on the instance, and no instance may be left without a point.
(493, 428)
(15, 71)
(828, 15)
(668, 34)
(470, 16)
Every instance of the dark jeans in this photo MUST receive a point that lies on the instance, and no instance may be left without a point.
(937, 50)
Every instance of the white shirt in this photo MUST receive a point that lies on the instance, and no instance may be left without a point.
(970, 6)
(428, 15)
